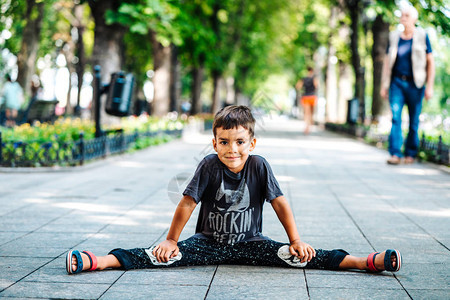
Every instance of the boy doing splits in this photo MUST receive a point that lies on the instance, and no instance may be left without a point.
(232, 187)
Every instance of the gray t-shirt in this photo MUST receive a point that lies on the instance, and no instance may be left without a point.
(232, 204)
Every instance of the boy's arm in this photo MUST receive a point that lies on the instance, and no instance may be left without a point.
(168, 248)
(298, 248)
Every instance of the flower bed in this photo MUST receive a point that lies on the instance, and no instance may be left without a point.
(70, 142)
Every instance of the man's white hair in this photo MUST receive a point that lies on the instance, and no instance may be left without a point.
(406, 7)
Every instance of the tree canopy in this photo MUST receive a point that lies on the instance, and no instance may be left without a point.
(215, 42)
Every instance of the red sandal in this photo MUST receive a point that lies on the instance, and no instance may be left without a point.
(77, 254)
(387, 261)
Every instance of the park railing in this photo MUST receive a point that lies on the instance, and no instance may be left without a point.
(434, 151)
(38, 154)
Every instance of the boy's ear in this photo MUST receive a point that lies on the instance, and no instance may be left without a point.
(252, 144)
(214, 143)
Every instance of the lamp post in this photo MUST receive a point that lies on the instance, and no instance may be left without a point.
(97, 92)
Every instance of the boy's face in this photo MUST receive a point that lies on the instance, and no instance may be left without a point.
(233, 147)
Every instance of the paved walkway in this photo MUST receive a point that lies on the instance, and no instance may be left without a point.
(342, 193)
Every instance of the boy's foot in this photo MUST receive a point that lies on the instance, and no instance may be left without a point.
(389, 260)
(394, 160)
(77, 261)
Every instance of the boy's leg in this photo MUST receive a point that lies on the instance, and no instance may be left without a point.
(103, 262)
(361, 263)
(193, 252)
(272, 253)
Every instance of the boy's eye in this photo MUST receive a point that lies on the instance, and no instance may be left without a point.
(241, 142)
(223, 142)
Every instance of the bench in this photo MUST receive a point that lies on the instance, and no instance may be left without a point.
(38, 110)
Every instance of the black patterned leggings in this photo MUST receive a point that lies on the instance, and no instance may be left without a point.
(197, 251)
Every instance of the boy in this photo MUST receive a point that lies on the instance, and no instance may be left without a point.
(232, 187)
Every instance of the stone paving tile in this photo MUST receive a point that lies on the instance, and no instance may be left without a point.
(27, 252)
(239, 276)
(425, 276)
(119, 240)
(9, 276)
(258, 269)
(31, 225)
(437, 294)
(257, 292)
(7, 237)
(20, 298)
(73, 227)
(55, 290)
(337, 242)
(59, 274)
(195, 276)
(359, 293)
(39, 239)
(144, 292)
(368, 281)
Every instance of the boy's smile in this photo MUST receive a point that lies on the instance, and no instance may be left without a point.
(233, 147)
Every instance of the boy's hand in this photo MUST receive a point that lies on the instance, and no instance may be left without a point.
(166, 250)
(302, 250)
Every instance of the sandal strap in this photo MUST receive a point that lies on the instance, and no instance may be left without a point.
(69, 256)
(371, 262)
(92, 259)
(388, 263)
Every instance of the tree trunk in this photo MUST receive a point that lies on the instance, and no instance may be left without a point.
(229, 90)
(175, 82)
(331, 79)
(79, 52)
(216, 105)
(68, 50)
(108, 46)
(345, 91)
(380, 30)
(354, 10)
(161, 79)
(26, 58)
(197, 80)
(108, 43)
(69, 109)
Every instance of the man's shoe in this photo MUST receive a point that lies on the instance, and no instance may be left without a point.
(409, 160)
(394, 160)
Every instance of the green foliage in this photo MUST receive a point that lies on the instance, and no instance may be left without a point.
(64, 130)
(137, 56)
(434, 12)
(68, 130)
(263, 29)
(11, 19)
(144, 15)
(47, 143)
(54, 27)
(197, 33)
(247, 40)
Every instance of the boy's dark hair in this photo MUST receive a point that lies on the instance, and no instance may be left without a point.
(234, 116)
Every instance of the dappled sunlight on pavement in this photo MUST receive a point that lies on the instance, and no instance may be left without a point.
(342, 192)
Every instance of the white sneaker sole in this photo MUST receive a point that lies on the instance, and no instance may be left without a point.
(154, 261)
(290, 259)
